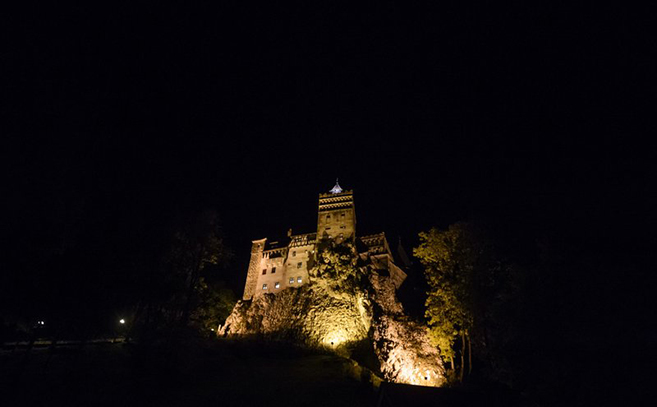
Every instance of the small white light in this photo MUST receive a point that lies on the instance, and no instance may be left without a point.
(122, 321)
(212, 329)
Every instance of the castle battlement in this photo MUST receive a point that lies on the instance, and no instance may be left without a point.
(303, 240)
(335, 194)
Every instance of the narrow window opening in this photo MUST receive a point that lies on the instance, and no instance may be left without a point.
(264, 272)
(277, 285)
(299, 280)
(291, 280)
(273, 270)
(264, 286)
(299, 265)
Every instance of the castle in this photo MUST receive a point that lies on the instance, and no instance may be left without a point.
(313, 291)
(274, 267)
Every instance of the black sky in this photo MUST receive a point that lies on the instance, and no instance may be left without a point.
(117, 118)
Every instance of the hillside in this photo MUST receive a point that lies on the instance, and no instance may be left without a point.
(219, 373)
(350, 308)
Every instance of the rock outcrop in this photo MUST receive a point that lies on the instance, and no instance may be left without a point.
(349, 305)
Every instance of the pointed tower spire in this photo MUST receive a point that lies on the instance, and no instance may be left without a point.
(336, 189)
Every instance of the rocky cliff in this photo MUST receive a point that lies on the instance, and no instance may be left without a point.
(349, 307)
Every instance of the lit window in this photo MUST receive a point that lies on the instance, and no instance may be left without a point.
(273, 270)
(264, 272)
(264, 286)
(291, 280)
(299, 265)
(298, 279)
(277, 285)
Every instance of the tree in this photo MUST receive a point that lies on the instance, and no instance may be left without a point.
(196, 245)
(214, 304)
(461, 271)
(337, 262)
(178, 288)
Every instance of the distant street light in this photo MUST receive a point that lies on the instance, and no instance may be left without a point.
(122, 321)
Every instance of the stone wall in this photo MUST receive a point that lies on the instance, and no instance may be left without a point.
(254, 268)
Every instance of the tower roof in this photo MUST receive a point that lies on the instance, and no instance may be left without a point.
(336, 189)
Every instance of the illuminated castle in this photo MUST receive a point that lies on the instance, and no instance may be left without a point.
(275, 267)
(315, 292)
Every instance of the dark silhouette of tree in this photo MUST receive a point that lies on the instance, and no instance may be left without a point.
(176, 287)
(214, 303)
(466, 282)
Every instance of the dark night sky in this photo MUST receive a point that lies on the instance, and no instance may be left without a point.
(115, 118)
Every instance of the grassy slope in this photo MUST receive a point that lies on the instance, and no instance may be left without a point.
(225, 374)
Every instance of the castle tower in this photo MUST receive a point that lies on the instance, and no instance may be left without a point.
(254, 268)
(336, 215)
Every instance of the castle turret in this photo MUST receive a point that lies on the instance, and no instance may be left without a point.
(254, 267)
(336, 215)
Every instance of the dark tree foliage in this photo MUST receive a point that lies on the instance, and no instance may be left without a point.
(177, 293)
(213, 304)
(469, 285)
(337, 263)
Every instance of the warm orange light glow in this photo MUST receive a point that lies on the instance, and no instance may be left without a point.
(412, 370)
(336, 338)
